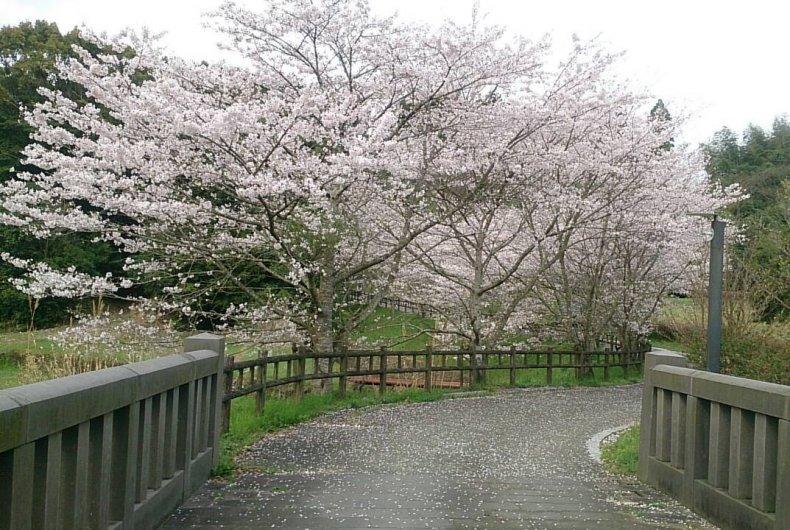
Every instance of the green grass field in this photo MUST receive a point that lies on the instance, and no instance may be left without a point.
(661, 342)
(13, 348)
(395, 330)
(9, 373)
(561, 377)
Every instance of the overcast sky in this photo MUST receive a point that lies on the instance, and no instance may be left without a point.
(722, 62)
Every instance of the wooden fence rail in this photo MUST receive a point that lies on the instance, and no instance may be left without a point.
(404, 306)
(255, 376)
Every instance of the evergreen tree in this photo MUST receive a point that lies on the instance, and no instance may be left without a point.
(760, 164)
(28, 54)
(660, 116)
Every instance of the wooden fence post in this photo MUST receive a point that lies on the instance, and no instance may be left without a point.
(300, 372)
(549, 363)
(260, 396)
(383, 371)
(475, 379)
(607, 359)
(229, 362)
(428, 369)
(344, 372)
(512, 365)
(482, 362)
(623, 362)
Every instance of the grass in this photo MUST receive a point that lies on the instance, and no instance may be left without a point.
(668, 344)
(246, 426)
(398, 330)
(14, 346)
(675, 306)
(622, 455)
(9, 373)
(750, 348)
(561, 377)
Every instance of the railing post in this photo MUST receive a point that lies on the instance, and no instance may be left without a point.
(695, 450)
(383, 371)
(300, 369)
(344, 372)
(719, 445)
(512, 358)
(428, 369)
(219, 418)
(19, 481)
(782, 501)
(260, 396)
(647, 432)
(549, 369)
(606, 357)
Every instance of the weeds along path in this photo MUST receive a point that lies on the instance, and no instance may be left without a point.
(517, 459)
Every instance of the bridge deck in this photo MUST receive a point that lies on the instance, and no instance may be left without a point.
(513, 460)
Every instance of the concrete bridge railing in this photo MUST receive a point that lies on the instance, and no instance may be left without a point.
(720, 444)
(115, 448)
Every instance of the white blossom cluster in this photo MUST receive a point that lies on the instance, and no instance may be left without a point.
(40, 281)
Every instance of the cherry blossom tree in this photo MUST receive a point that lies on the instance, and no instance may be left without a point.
(340, 152)
(617, 270)
(569, 177)
(300, 173)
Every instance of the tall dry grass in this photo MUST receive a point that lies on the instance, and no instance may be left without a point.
(750, 348)
(95, 343)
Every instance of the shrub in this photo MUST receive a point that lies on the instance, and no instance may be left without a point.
(752, 349)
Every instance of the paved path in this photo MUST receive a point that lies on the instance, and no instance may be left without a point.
(514, 460)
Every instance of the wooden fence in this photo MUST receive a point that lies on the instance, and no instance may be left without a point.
(404, 306)
(256, 376)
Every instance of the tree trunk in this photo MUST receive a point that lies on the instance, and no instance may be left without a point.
(322, 338)
(479, 361)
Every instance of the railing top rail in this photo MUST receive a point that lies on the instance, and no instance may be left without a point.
(32, 411)
(725, 378)
(771, 399)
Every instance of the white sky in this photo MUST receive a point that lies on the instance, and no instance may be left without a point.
(722, 62)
